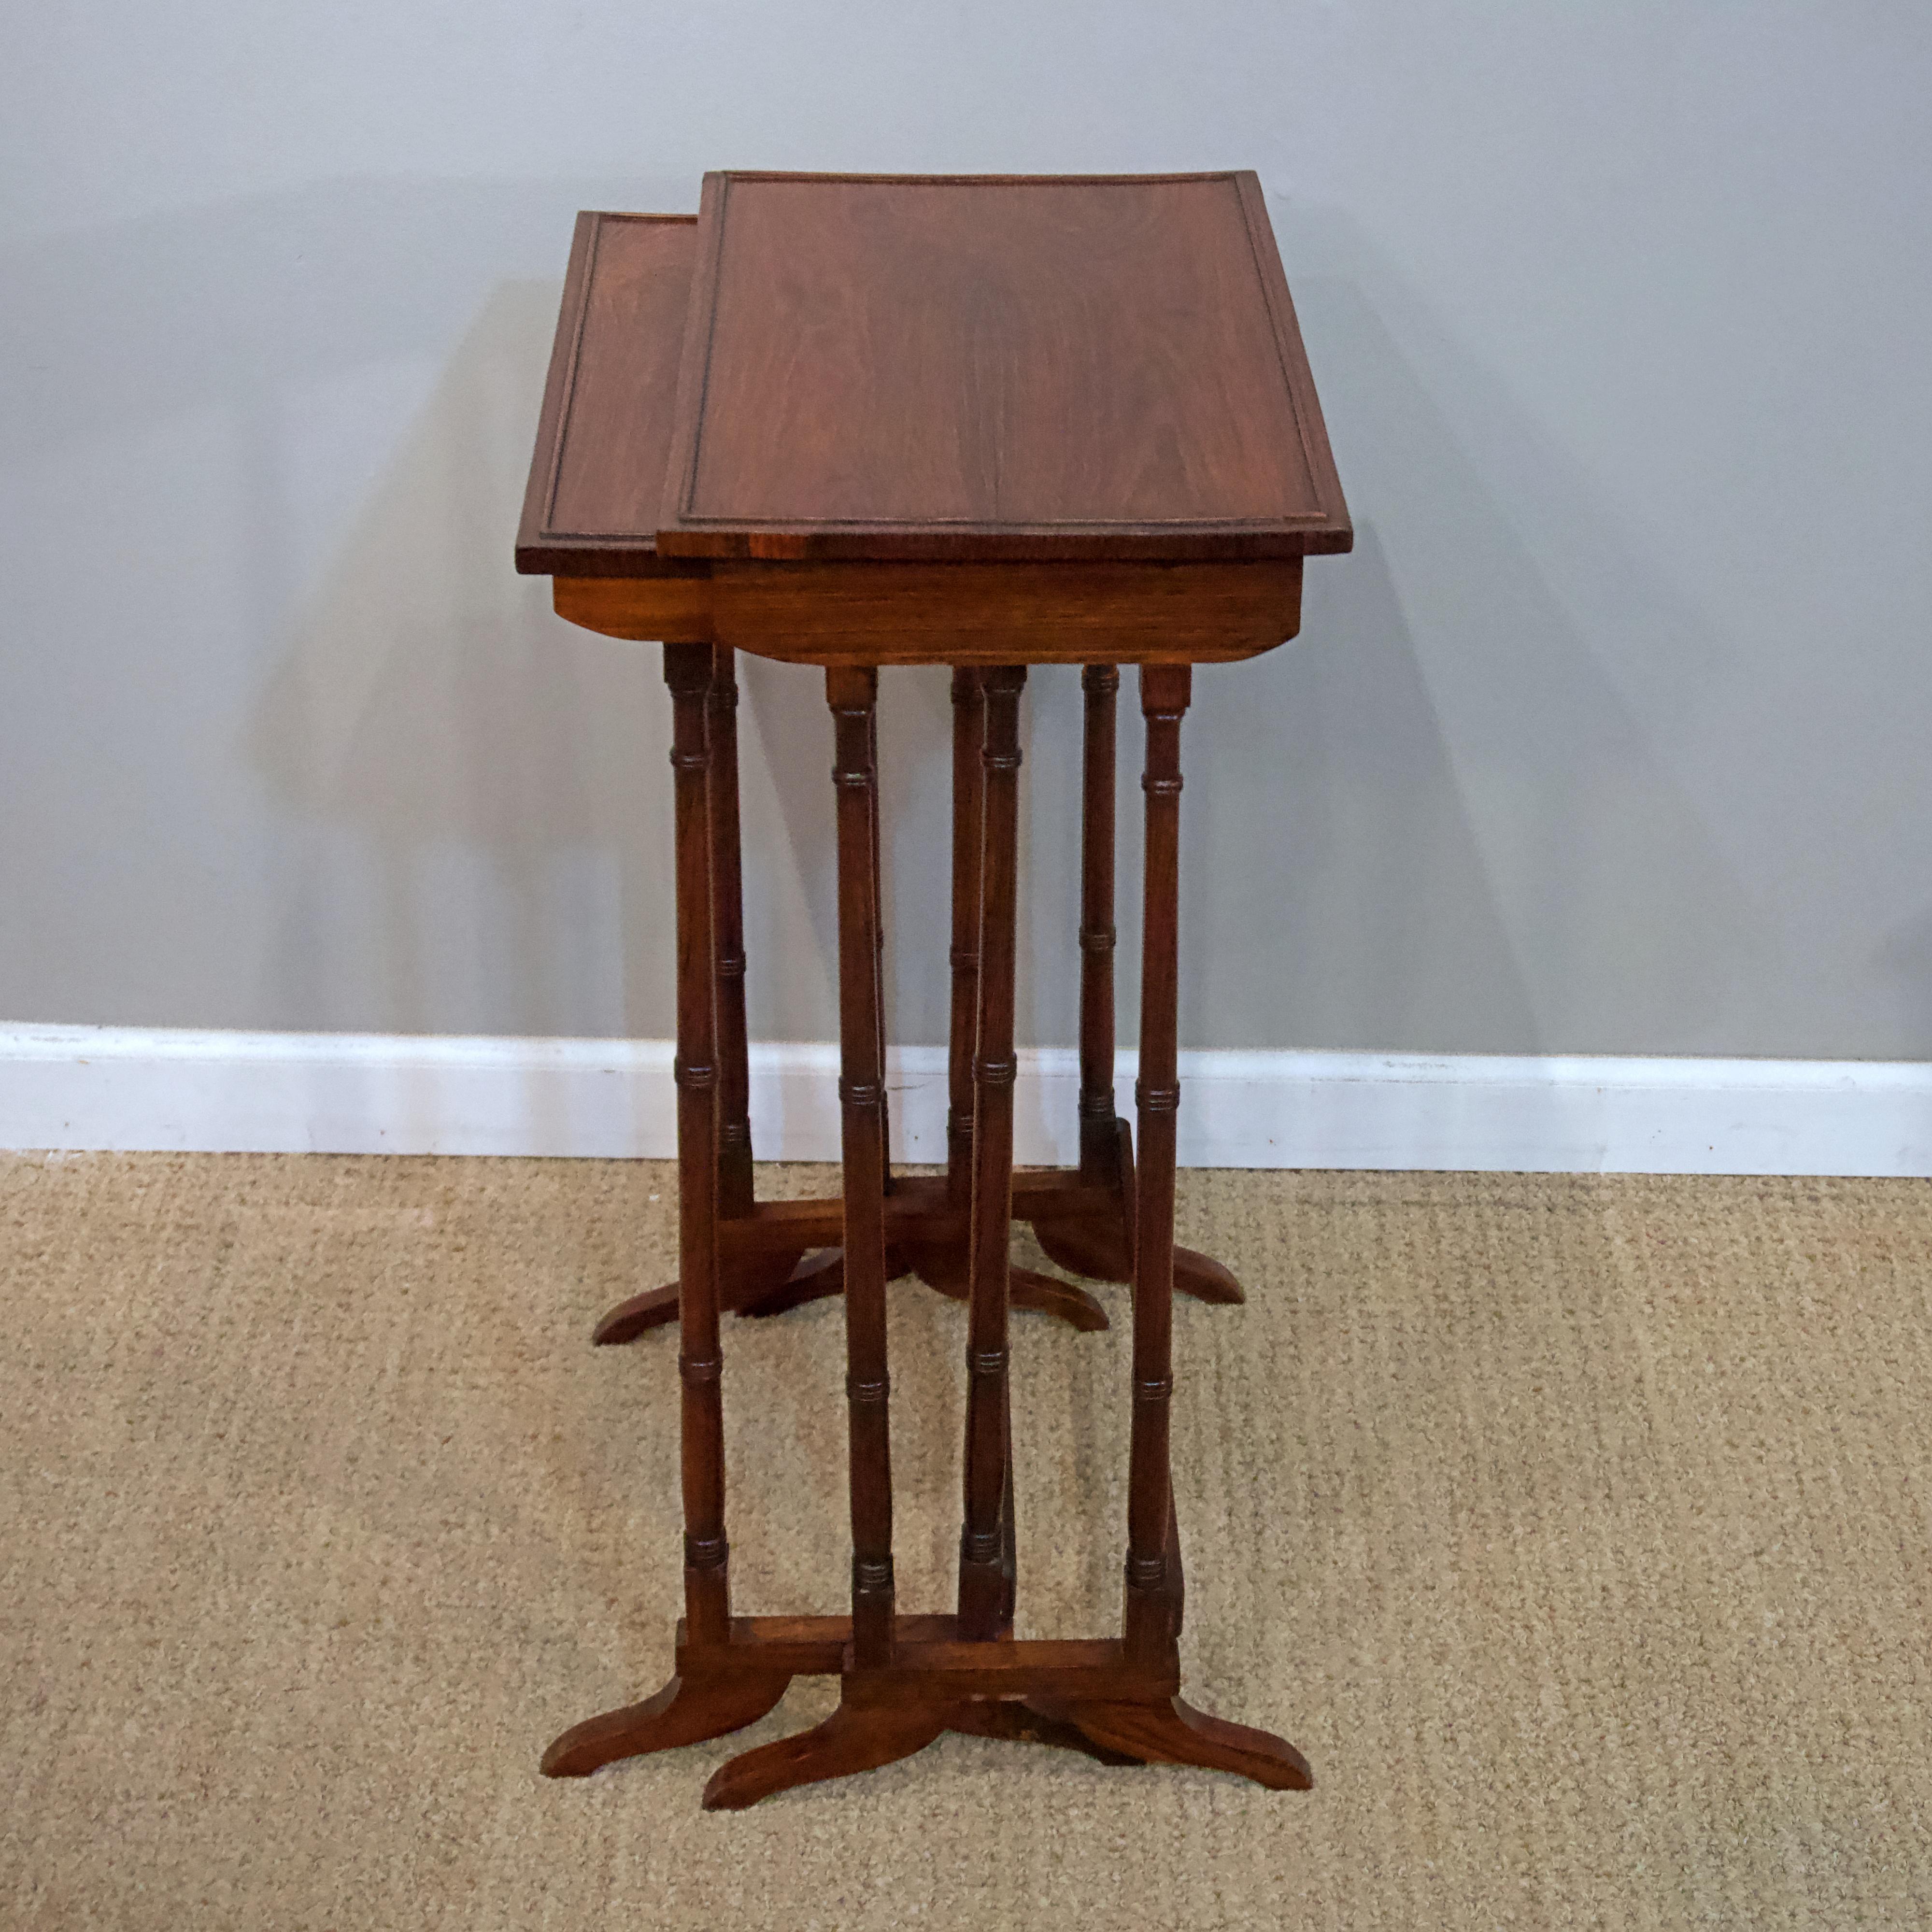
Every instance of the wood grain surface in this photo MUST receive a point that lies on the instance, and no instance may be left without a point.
(980, 367)
(597, 476)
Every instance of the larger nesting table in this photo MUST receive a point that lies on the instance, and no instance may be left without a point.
(986, 422)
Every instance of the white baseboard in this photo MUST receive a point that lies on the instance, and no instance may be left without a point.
(129, 1088)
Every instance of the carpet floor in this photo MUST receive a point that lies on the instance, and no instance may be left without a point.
(1576, 1528)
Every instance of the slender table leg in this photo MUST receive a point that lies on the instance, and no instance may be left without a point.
(1103, 1248)
(903, 1681)
(969, 713)
(774, 1281)
(1151, 1589)
(879, 973)
(706, 1700)
(1169, 1731)
(852, 695)
(707, 1607)
(1099, 1143)
(985, 1581)
(734, 1085)
(945, 1264)
(871, 1727)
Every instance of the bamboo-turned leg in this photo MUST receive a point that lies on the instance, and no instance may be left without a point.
(1170, 1731)
(703, 1700)
(969, 713)
(867, 1729)
(1098, 1142)
(1150, 1619)
(946, 1266)
(985, 1581)
(1101, 1248)
(879, 964)
(734, 1085)
(852, 695)
(659, 1306)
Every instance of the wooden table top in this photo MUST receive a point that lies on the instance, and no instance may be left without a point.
(597, 477)
(954, 368)
(940, 368)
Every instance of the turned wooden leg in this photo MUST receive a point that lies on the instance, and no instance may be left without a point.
(969, 713)
(1099, 683)
(699, 1701)
(986, 1587)
(852, 695)
(688, 672)
(879, 964)
(1101, 1250)
(734, 1087)
(1150, 1617)
(656, 1306)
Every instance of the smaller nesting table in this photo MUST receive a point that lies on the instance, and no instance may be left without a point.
(986, 422)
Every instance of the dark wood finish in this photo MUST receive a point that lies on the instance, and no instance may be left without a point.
(1009, 367)
(1100, 685)
(986, 423)
(734, 1082)
(852, 695)
(968, 737)
(690, 1708)
(855, 1738)
(604, 439)
(1176, 1733)
(644, 607)
(1034, 1720)
(904, 614)
(768, 1264)
(687, 671)
(879, 977)
(1096, 1667)
(1153, 1577)
(1084, 1695)
(985, 1577)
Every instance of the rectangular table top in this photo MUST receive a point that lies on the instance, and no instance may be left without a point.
(952, 367)
(1020, 419)
(597, 477)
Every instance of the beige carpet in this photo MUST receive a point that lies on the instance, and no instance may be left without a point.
(1576, 1528)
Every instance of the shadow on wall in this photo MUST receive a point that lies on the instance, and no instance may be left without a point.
(1470, 844)
(479, 749)
(1432, 825)
(429, 699)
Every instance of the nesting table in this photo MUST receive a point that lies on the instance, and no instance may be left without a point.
(986, 422)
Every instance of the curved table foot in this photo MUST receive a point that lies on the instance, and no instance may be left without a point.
(776, 1282)
(629, 1319)
(855, 1738)
(812, 1279)
(1027, 1289)
(1090, 1248)
(1176, 1733)
(687, 1711)
(1093, 1249)
(1031, 1721)
(1204, 1279)
(943, 1269)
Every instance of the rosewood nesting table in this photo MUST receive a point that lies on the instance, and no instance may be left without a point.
(986, 422)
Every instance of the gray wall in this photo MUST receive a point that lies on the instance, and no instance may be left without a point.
(1608, 738)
